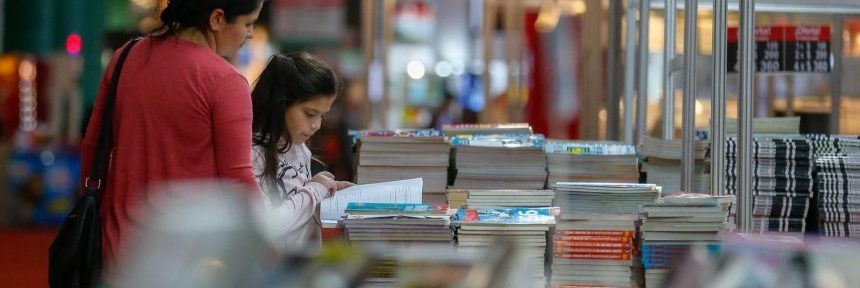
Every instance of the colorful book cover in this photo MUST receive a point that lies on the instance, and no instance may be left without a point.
(544, 215)
(494, 128)
(509, 140)
(397, 208)
(580, 148)
(661, 256)
(399, 133)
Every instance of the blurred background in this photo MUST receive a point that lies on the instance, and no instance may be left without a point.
(555, 64)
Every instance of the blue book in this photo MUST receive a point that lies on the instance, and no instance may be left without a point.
(510, 140)
(544, 215)
(397, 208)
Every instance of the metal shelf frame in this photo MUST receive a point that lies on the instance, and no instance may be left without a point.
(747, 9)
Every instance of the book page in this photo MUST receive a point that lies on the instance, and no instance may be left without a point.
(402, 191)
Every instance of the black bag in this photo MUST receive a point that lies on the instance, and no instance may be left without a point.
(75, 256)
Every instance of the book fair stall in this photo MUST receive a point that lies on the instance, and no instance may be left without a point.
(693, 173)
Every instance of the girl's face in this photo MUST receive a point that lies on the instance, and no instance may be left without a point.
(304, 119)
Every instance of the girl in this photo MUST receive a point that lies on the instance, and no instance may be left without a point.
(291, 96)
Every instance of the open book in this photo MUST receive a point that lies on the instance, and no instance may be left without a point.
(403, 192)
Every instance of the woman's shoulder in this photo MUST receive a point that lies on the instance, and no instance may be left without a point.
(200, 59)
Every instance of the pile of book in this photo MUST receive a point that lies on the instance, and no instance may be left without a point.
(767, 125)
(610, 208)
(457, 197)
(515, 161)
(839, 195)
(575, 198)
(401, 223)
(499, 198)
(404, 225)
(782, 183)
(486, 129)
(674, 224)
(402, 154)
(525, 227)
(772, 260)
(826, 145)
(579, 161)
(594, 250)
(662, 164)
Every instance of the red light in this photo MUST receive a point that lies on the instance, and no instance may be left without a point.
(73, 44)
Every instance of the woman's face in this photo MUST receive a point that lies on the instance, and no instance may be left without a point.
(305, 118)
(230, 36)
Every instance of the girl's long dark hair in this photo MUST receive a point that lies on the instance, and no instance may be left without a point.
(287, 80)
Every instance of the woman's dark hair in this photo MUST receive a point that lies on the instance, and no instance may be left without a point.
(287, 80)
(180, 14)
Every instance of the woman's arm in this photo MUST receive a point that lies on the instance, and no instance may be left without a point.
(231, 120)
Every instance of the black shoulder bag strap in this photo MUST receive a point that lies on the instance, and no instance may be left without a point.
(94, 182)
(75, 255)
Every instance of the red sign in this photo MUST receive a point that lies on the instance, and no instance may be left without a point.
(785, 33)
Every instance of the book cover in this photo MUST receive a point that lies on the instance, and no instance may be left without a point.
(399, 133)
(543, 215)
(586, 148)
(397, 208)
(495, 128)
(506, 141)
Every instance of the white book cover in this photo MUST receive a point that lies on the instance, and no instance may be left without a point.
(402, 191)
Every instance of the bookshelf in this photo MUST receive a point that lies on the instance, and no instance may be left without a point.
(672, 64)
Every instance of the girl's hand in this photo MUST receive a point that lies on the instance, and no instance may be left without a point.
(344, 184)
(326, 174)
(326, 181)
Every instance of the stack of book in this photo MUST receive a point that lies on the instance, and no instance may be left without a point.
(401, 223)
(839, 195)
(483, 198)
(662, 164)
(514, 161)
(486, 129)
(674, 224)
(598, 207)
(782, 181)
(594, 250)
(578, 161)
(767, 125)
(526, 227)
(575, 198)
(772, 260)
(826, 145)
(457, 197)
(402, 154)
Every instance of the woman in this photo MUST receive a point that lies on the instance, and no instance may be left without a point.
(182, 113)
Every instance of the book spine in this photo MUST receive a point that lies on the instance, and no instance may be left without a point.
(610, 251)
(592, 256)
(613, 239)
(587, 244)
(594, 233)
